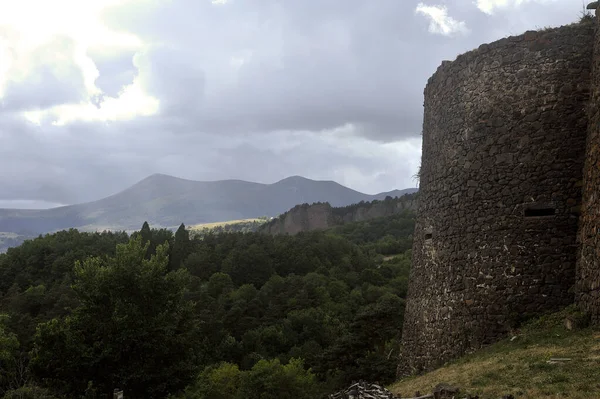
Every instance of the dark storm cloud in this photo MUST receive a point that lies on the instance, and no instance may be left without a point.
(292, 65)
(308, 65)
(173, 77)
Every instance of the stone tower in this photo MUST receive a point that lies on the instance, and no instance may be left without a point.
(504, 144)
(588, 265)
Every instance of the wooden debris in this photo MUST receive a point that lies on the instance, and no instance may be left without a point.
(364, 390)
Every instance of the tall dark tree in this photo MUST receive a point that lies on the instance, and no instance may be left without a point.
(146, 234)
(181, 248)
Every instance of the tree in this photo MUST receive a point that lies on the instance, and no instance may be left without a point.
(268, 379)
(221, 381)
(133, 330)
(9, 346)
(146, 235)
(181, 248)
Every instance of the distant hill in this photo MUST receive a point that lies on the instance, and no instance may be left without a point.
(320, 216)
(8, 240)
(167, 201)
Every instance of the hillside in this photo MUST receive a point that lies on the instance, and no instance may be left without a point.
(522, 365)
(321, 216)
(168, 201)
(283, 316)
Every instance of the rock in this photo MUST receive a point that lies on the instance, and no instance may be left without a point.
(320, 216)
(444, 391)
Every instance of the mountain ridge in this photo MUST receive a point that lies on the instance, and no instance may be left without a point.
(167, 201)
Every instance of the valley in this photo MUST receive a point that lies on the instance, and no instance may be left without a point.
(309, 312)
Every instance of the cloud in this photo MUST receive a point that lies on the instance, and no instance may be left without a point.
(98, 95)
(28, 204)
(440, 22)
(47, 71)
(489, 6)
(50, 76)
(281, 66)
(115, 71)
(168, 74)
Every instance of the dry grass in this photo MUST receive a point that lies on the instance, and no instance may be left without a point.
(520, 367)
(219, 224)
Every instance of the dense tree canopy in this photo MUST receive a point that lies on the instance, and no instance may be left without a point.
(132, 317)
(233, 314)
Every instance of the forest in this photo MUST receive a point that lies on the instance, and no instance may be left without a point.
(219, 315)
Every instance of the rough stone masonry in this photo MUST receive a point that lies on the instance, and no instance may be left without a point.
(504, 150)
(588, 263)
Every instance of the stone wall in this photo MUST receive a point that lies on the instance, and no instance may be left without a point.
(503, 150)
(588, 284)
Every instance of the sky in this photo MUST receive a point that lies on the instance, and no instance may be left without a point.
(96, 95)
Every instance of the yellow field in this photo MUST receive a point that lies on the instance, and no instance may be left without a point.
(219, 224)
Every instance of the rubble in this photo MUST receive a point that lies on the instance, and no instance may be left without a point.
(364, 390)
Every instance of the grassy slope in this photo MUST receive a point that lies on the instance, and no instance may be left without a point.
(520, 366)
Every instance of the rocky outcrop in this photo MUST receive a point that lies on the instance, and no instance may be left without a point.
(321, 216)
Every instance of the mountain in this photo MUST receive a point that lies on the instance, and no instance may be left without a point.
(167, 201)
(320, 216)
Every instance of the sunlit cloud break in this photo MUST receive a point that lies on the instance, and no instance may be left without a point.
(26, 38)
(489, 6)
(440, 22)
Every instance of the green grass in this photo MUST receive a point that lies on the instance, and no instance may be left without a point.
(520, 367)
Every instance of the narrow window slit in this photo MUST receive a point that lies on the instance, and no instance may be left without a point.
(537, 212)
